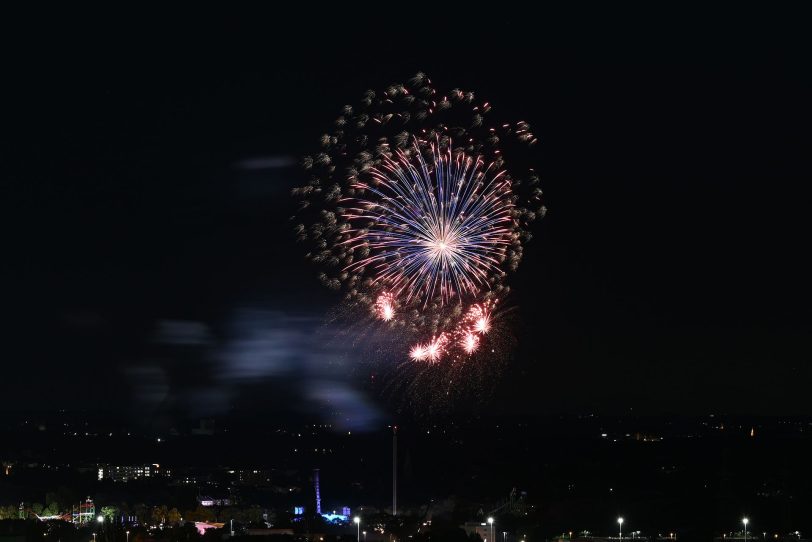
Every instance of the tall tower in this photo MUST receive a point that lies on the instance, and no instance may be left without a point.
(318, 491)
(394, 470)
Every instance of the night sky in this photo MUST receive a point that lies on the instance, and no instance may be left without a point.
(150, 265)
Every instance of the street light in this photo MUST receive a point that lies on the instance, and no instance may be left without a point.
(490, 522)
(365, 535)
(357, 521)
(100, 519)
(745, 521)
(128, 536)
(620, 528)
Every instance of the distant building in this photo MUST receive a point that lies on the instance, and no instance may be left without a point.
(212, 501)
(126, 473)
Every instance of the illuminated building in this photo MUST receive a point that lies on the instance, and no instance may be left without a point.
(211, 501)
(126, 473)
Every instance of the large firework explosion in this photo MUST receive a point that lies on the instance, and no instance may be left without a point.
(417, 207)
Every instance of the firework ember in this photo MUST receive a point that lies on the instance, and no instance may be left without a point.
(417, 207)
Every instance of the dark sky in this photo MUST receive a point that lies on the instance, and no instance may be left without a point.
(149, 264)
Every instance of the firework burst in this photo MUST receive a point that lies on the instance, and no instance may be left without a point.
(436, 228)
(417, 207)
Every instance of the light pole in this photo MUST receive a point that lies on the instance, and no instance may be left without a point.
(365, 535)
(128, 536)
(490, 522)
(357, 521)
(745, 521)
(620, 528)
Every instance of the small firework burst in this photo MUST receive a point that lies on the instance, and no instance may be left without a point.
(470, 343)
(385, 307)
(467, 335)
(431, 351)
(479, 316)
